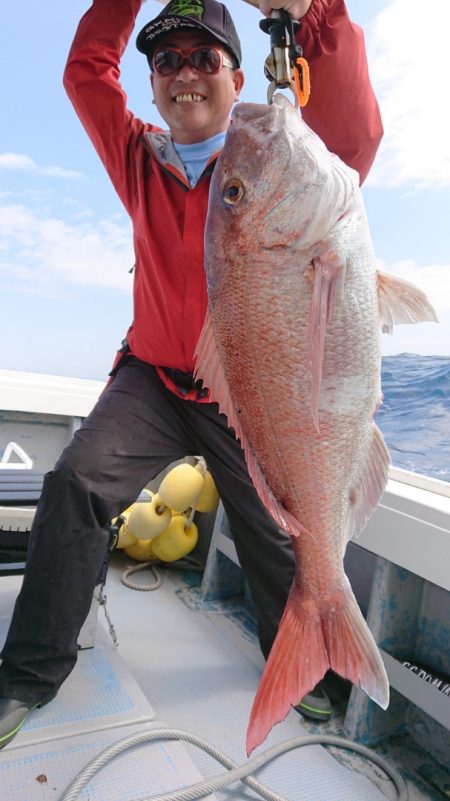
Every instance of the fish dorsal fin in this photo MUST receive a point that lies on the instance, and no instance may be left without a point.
(366, 493)
(325, 272)
(401, 302)
(210, 369)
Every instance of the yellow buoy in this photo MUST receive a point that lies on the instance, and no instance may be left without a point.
(141, 550)
(208, 500)
(180, 488)
(149, 519)
(124, 537)
(176, 541)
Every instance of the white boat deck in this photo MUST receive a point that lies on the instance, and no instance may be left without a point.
(178, 665)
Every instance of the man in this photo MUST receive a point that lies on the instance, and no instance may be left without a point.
(153, 412)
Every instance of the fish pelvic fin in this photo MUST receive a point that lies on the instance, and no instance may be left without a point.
(401, 302)
(365, 495)
(209, 368)
(309, 642)
(325, 272)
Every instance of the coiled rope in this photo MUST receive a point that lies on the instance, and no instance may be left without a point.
(143, 566)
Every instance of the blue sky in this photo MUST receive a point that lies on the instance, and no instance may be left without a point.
(65, 241)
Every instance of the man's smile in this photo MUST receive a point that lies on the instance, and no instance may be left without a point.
(188, 97)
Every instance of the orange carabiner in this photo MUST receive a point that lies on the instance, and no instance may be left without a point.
(302, 83)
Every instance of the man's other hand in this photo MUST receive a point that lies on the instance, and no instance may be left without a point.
(296, 8)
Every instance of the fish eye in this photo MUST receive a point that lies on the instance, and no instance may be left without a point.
(233, 192)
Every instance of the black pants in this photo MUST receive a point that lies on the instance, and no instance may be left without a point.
(135, 430)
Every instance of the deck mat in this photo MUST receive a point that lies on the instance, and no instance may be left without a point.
(45, 771)
(100, 693)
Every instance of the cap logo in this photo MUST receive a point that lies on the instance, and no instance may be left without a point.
(186, 8)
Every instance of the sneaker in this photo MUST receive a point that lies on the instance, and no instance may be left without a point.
(315, 704)
(13, 715)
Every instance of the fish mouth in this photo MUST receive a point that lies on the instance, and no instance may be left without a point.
(265, 124)
(262, 113)
(254, 113)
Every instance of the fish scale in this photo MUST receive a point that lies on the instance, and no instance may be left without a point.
(290, 351)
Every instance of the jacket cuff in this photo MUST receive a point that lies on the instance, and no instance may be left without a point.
(319, 26)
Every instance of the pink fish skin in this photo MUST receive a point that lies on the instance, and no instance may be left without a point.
(291, 352)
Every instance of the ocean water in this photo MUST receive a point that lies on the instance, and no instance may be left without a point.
(415, 414)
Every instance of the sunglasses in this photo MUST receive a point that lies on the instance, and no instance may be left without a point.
(205, 59)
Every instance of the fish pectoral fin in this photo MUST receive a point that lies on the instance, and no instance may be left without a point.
(210, 369)
(401, 302)
(365, 495)
(326, 270)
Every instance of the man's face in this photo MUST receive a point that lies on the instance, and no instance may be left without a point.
(195, 105)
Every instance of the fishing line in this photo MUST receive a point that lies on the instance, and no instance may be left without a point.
(234, 772)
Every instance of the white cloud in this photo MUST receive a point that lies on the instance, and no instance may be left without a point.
(16, 161)
(45, 253)
(423, 338)
(21, 162)
(408, 57)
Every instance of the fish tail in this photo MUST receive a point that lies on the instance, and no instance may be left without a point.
(308, 643)
(353, 652)
(297, 661)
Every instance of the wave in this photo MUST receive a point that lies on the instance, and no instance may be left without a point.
(415, 414)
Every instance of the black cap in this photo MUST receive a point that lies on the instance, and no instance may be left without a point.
(186, 15)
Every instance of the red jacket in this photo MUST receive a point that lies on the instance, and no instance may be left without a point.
(168, 216)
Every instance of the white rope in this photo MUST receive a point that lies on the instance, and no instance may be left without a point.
(135, 569)
(235, 773)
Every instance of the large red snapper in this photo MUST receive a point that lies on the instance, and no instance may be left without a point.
(291, 352)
